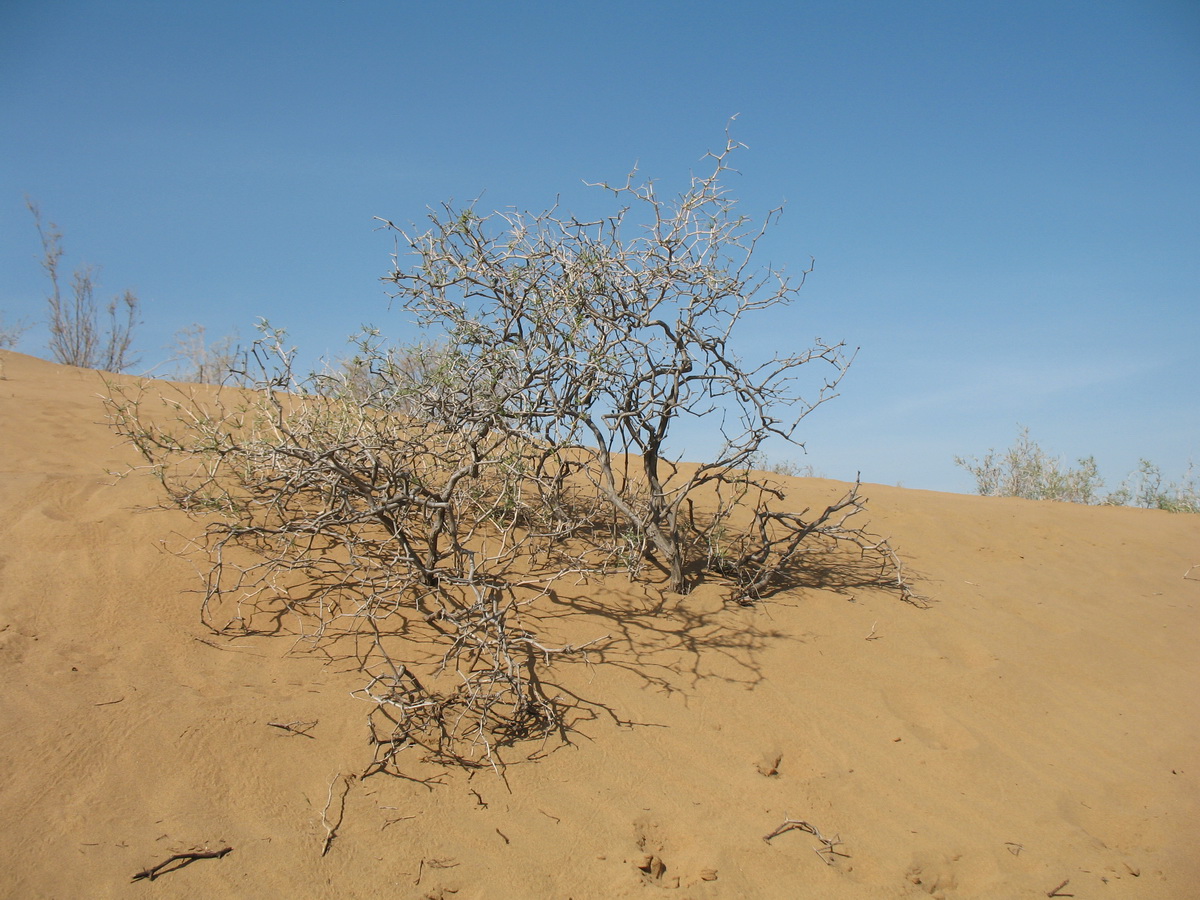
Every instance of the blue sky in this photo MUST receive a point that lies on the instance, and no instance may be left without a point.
(1002, 198)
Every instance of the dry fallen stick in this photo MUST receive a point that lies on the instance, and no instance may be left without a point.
(433, 864)
(1188, 573)
(827, 851)
(184, 858)
(395, 820)
(1055, 892)
(331, 828)
(297, 727)
(227, 648)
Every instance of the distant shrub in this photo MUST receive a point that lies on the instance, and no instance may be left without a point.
(10, 333)
(787, 467)
(202, 361)
(1146, 488)
(79, 335)
(1026, 470)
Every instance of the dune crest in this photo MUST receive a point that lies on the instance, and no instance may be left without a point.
(1039, 724)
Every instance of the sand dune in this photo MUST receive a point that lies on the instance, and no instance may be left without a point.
(1039, 723)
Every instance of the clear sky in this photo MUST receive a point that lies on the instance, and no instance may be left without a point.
(1002, 198)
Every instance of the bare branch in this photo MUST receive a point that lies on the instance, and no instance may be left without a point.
(828, 851)
(331, 828)
(76, 335)
(183, 859)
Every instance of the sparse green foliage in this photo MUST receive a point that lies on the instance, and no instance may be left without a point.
(1148, 489)
(392, 377)
(1026, 470)
(77, 335)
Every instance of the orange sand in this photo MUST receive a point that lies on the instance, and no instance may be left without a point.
(1040, 722)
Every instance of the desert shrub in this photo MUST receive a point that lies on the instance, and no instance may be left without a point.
(391, 376)
(1026, 470)
(367, 525)
(416, 504)
(789, 468)
(1148, 488)
(597, 337)
(201, 361)
(78, 335)
(10, 333)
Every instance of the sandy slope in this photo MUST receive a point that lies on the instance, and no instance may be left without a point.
(1040, 722)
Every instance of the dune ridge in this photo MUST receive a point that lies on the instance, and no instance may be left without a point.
(1040, 723)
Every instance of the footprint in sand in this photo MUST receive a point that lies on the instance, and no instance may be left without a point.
(934, 876)
(650, 863)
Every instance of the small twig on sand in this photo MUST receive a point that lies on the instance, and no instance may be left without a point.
(230, 648)
(332, 827)
(395, 820)
(1188, 573)
(297, 727)
(183, 859)
(433, 864)
(828, 849)
(873, 636)
(1055, 892)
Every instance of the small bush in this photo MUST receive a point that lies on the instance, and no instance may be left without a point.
(10, 334)
(78, 337)
(201, 361)
(1146, 488)
(789, 468)
(1026, 470)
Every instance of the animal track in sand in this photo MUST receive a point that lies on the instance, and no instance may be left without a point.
(650, 841)
(934, 876)
(653, 845)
